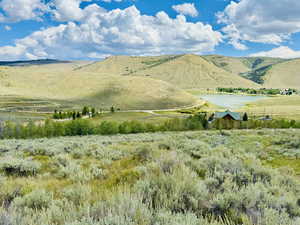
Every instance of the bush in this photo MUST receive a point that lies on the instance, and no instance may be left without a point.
(38, 199)
(78, 194)
(19, 167)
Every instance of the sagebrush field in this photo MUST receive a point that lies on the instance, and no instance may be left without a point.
(245, 177)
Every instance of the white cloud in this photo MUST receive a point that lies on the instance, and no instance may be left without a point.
(18, 10)
(188, 9)
(8, 28)
(280, 52)
(70, 10)
(101, 33)
(267, 21)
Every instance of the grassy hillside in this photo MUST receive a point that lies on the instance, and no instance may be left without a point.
(184, 71)
(283, 75)
(63, 84)
(270, 72)
(230, 64)
(188, 178)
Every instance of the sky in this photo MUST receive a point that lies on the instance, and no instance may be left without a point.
(96, 29)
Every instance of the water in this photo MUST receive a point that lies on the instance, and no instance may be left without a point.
(231, 101)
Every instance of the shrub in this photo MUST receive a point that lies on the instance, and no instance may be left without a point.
(38, 199)
(19, 167)
(78, 194)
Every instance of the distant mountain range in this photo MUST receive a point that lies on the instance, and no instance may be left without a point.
(31, 62)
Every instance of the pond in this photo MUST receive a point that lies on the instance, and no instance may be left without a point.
(231, 101)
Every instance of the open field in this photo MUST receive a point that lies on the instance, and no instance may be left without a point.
(207, 178)
(154, 117)
(281, 107)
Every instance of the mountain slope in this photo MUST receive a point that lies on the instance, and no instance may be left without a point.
(230, 64)
(61, 83)
(191, 71)
(252, 68)
(283, 75)
(184, 71)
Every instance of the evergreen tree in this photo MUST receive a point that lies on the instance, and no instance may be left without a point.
(112, 109)
(93, 112)
(245, 117)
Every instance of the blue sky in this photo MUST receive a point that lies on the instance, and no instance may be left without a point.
(89, 29)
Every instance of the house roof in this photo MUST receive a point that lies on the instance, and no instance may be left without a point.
(234, 115)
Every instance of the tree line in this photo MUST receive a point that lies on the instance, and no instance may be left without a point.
(86, 111)
(262, 91)
(80, 127)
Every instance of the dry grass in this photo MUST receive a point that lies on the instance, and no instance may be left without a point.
(283, 107)
(185, 71)
(60, 82)
(283, 75)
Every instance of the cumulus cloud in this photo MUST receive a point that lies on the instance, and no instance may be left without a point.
(101, 33)
(187, 9)
(18, 10)
(6, 27)
(266, 21)
(280, 52)
(70, 10)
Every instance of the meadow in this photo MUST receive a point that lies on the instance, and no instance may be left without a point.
(278, 107)
(248, 177)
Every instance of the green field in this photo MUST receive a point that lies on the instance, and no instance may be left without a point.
(207, 178)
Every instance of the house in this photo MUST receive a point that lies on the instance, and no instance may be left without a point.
(227, 115)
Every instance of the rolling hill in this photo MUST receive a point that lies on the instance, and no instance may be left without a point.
(283, 75)
(269, 72)
(63, 83)
(184, 71)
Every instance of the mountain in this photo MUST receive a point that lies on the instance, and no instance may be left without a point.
(65, 84)
(283, 75)
(32, 62)
(269, 72)
(184, 71)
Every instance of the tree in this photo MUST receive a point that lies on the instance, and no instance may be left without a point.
(93, 112)
(55, 115)
(85, 111)
(245, 117)
(112, 109)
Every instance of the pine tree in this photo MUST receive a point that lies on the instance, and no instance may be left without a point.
(112, 109)
(245, 117)
(93, 112)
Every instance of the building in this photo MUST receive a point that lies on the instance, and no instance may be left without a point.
(286, 91)
(227, 115)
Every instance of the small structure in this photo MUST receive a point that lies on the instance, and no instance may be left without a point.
(286, 91)
(227, 115)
